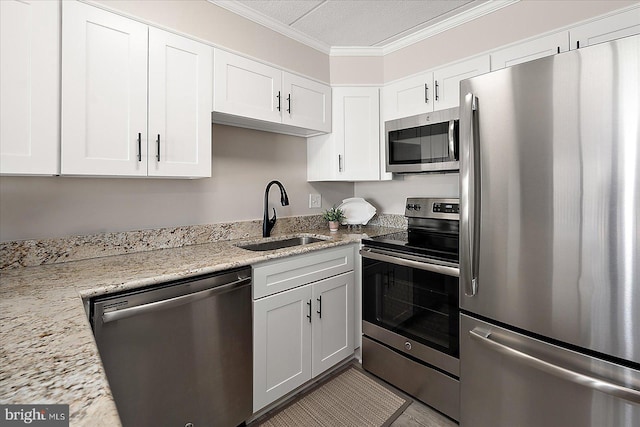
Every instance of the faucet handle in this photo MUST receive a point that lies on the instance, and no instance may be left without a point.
(272, 221)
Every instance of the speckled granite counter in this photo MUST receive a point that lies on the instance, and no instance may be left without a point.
(47, 351)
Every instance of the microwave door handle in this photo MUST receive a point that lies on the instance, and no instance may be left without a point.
(452, 140)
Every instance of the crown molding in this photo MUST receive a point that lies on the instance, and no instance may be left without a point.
(259, 18)
(356, 51)
(417, 36)
(447, 24)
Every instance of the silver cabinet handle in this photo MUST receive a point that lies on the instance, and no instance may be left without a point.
(426, 94)
(172, 302)
(309, 306)
(558, 371)
(139, 146)
(437, 90)
(339, 162)
(289, 104)
(158, 144)
(278, 96)
(395, 259)
(319, 299)
(470, 198)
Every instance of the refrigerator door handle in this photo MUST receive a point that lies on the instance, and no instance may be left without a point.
(566, 374)
(470, 198)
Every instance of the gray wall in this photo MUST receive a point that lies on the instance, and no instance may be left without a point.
(244, 161)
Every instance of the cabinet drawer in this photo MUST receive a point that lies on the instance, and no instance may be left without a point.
(277, 276)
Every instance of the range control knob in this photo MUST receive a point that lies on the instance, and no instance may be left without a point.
(416, 207)
(407, 345)
(410, 206)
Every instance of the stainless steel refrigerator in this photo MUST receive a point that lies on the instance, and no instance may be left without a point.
(550, 254)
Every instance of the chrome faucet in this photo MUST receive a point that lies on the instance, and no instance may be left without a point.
(267, 224)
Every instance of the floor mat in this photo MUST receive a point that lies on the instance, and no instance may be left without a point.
(351, 399)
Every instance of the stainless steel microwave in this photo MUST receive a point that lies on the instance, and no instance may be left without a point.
(423, 143)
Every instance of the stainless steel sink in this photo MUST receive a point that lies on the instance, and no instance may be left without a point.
(279, 244)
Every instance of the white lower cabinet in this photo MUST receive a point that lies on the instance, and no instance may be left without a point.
(332, 321)
(301, 332)
(281, 345)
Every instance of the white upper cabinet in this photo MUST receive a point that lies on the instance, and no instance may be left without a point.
(30, 87)
(530, 50)
(308, 103)
(408, 97)
(104, 93)
(246, 88)
(352, 152)
(430, 91)
(606, 29)
(179, 106)
(446, 80)
(250, 94)
(111, 124)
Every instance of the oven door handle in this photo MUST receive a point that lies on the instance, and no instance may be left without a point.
(395, 259)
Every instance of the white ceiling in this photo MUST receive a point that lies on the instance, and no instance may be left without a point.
(380, 25)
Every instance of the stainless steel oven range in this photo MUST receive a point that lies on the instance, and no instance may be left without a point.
(410, 304)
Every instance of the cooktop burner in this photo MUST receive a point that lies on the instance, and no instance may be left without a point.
(432, 232)
(448, 250)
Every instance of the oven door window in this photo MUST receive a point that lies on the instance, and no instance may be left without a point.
(417, 304)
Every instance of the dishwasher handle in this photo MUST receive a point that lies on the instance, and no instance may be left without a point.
(172, 302)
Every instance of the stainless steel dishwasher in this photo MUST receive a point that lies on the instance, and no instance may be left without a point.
(180, 353)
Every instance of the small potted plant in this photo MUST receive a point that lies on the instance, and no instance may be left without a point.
(334, 216)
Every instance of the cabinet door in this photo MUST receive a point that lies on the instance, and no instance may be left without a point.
(30, 85)
(305, 103)
(180, 79)
(447, 80)
(408, 97)
(351, 152)
(104, 93)
(246, 88)
(281, 344)
(606, 29)
(357, 133)
(530, 50)
(333, 339)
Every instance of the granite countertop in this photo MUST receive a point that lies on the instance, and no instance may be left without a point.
(48, 354)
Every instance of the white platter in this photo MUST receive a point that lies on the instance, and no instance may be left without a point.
(357, 211)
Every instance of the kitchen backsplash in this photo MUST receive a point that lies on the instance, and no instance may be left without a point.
(26, 253)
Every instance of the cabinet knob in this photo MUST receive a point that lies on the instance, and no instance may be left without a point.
(407, 345)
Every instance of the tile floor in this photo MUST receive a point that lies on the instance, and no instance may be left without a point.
(420, 415)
